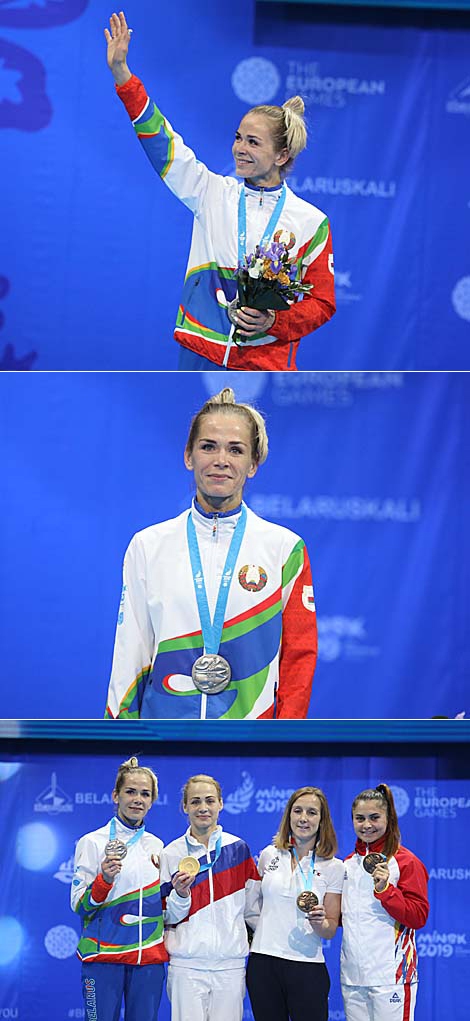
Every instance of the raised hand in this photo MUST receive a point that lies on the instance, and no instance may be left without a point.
(118, 40)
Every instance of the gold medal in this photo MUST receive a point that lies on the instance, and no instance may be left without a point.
(190, 865)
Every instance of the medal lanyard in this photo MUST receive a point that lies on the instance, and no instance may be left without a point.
(208, 864)
(306, 879)
(269, 229)
(212, 630)
(137, 835)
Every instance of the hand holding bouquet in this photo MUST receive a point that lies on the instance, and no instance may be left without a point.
(268, 280)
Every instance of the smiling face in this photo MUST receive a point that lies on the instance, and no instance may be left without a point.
(221, 460)
(255, 156)
(134, 798)
(202, 807)
(369, 821)
(305, 818)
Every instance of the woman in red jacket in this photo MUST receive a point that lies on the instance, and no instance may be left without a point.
(384, 901)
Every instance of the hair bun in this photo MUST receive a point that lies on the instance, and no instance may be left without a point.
(295, 104)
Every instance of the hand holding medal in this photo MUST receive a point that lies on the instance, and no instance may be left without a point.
(114, 854)
(183, 879)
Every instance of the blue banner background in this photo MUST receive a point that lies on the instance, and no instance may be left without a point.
(51, 799)
(370, 469)
(93, 249)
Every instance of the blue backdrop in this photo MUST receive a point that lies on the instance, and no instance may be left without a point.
(51, 799)
(371, 469)
(93, 248)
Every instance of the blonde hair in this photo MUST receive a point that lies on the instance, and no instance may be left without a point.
(326, 844)
(224, 402)
(288, 128)
(131, 766)
(200, 778)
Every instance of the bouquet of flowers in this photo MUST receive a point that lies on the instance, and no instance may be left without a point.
(267, 279)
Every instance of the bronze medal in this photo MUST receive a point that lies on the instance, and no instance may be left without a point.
(211, 673)
(190, 865)
(307, 900)
(371, 860)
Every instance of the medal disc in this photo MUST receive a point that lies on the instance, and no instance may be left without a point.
(211, 673)
(307, 900)
(371, 860)
(189, 864)
(115, 849)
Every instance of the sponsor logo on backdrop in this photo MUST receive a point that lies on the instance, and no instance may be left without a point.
(450, 874)
(307, 79)
(61, 941)
(8, 1012)
(459, 99)
(255, 80)
(266, 799)
(460, 298)
(344, 638)
(65, 871)
(348, 186)
(442, 944)
(428, 803)
(53, 800)
(336, 508)
(344, 290)
(329, 389)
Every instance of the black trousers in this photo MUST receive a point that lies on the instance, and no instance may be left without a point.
(281, 989)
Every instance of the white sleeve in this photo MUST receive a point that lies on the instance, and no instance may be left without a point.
(135, 640)
(176, 907)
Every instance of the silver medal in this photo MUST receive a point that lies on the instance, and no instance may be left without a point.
(211, 673)
(115, 849)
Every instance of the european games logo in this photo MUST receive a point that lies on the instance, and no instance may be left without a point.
(271, 799)
(255, 80)
(401, 799)
(461, 298)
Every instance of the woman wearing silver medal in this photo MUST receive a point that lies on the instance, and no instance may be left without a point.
(384, 901)
(206, 974)
(217, 616)
(230, 220)
(122, 951)
(301, 885)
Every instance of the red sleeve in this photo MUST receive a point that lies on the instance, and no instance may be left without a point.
(315, 308)
(133, 95)
(298, 648)
(100, 889)
(408, 902)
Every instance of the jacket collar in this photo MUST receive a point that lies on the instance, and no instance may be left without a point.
(362, 848)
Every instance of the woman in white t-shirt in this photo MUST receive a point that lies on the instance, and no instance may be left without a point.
(301, 900)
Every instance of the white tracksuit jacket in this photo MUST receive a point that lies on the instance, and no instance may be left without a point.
(269, 635)
(213, 934)
(379, 947)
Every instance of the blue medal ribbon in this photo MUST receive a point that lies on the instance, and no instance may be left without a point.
(275, 215)
(208, 864)
(212, 630)
(306, 879)
(137, 835)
